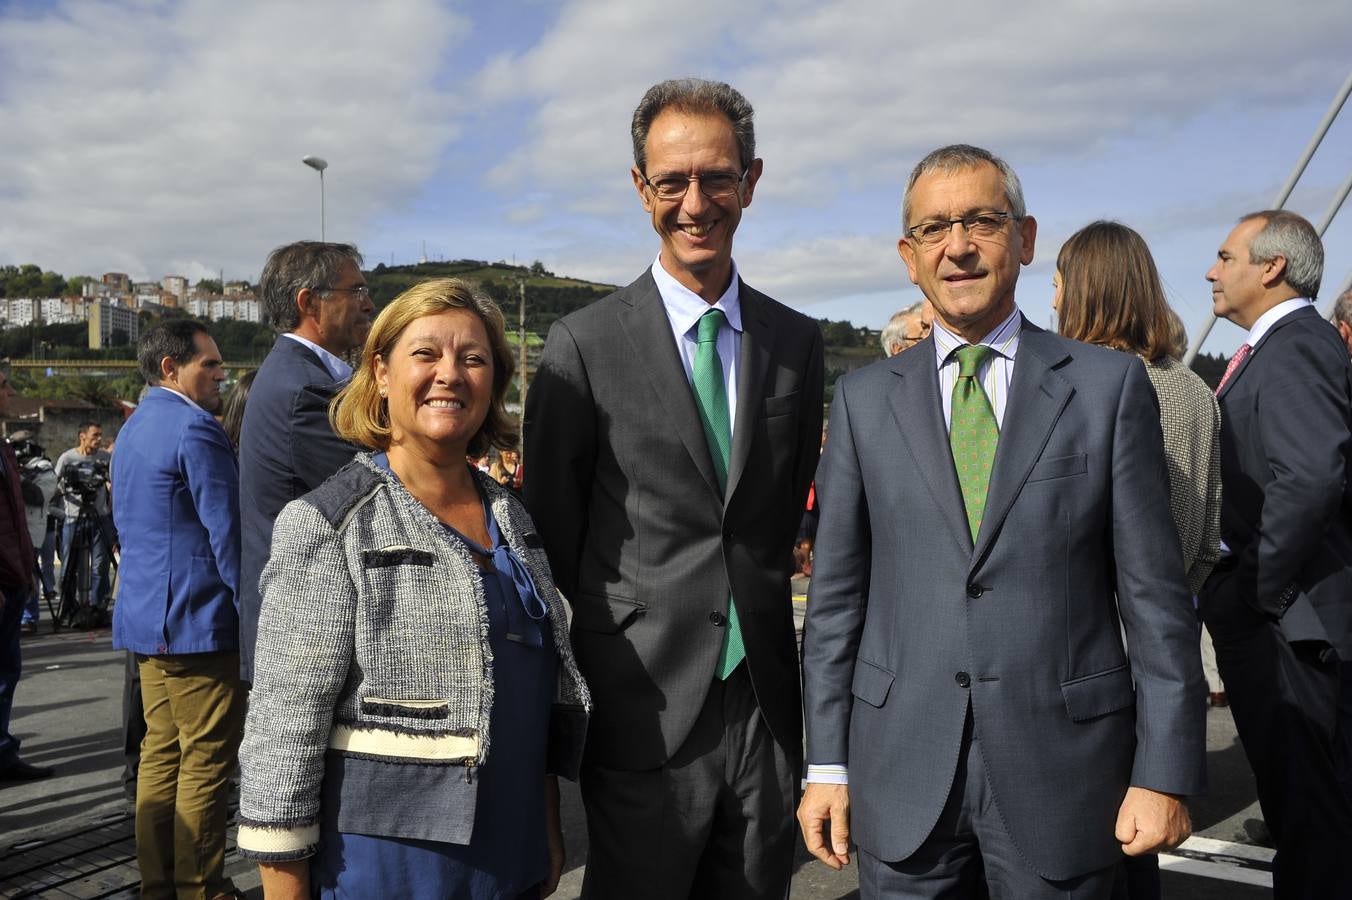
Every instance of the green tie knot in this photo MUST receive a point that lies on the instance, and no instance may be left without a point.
(971, 357)
(709, 324)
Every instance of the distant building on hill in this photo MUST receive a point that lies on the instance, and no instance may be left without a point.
(117, 282)
(111, 325)
(176, 284)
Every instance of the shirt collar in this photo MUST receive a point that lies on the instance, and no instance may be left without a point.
(340, 370)
(1272, 317)
(184, 397)
(684, 306)
(1003, 339)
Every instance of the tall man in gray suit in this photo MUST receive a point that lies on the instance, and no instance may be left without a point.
(671, 433)
(1279, 602)
(994, 512)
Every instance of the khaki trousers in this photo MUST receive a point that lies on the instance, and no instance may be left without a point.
(194, 710)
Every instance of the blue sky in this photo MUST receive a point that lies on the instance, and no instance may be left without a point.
(165, 137)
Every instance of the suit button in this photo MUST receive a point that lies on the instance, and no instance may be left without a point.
(963, 679)
(717, 618)
(975, 590)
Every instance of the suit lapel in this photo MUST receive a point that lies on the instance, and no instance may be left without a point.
(919, 417)
(1289, 317)
(648, 330)
(1037, 396)
(757, 344)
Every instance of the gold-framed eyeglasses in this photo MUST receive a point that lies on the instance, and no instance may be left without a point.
(714, 185)
(977, 225)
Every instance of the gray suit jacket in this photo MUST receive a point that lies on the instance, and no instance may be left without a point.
(1286, 451)
(621, 485)
(909, 624)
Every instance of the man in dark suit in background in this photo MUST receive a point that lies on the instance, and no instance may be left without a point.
(315, 295)
(995, 511)
(671, 432)
(1279, 603)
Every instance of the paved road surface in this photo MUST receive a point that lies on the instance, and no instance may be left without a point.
(74, 828)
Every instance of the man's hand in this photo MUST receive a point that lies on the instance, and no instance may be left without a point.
(1150, 822)
(822, 802)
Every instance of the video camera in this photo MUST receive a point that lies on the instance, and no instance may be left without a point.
(83, 482)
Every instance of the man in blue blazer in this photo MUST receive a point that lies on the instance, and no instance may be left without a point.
(176, 504)
(994, 516)
(315, 296)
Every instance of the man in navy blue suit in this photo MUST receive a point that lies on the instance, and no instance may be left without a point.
(177, 507)
(315, 297)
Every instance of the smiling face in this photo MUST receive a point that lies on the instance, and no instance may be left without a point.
(696, 231)
(438, 383)
(969, 280)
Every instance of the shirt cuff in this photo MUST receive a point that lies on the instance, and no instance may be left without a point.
(831, 773)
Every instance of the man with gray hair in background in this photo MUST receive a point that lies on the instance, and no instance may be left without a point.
(316, 298)
(1342, 318)
(907, 327)
(1279, 602)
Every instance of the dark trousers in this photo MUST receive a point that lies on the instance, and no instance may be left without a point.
(133, 724)
(1285, 699)
(715, 822)
(969, 854)
(10, 668)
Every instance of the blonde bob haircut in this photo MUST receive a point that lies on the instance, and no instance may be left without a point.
(359, 414)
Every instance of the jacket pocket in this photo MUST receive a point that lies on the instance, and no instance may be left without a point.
(1099, 694)
(1060, 467)
(871, 683)
(605, 614)
(408, 709)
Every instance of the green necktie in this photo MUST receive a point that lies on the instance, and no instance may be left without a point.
(973, 433)
(711, 396)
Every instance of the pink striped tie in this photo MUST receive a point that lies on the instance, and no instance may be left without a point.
(1240, 355)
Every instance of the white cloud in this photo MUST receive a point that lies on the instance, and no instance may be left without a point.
(147, 136)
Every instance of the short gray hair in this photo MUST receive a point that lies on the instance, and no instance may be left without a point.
(895, 329)
(1293, 238)
(957, 158)
(1342, 310)
(294, 267)
(694, 95)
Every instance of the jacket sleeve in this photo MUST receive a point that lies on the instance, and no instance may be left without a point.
(1302, 424)
(304, 651)
(211, 474)
(561, 452)
(1152, 598)
(838, 595)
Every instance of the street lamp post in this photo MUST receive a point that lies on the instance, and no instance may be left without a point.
(319, 165)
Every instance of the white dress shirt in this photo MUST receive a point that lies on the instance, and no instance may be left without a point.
(684, 308)
(340, 370)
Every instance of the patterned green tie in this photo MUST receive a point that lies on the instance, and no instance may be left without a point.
(711, 396)
(973, 433)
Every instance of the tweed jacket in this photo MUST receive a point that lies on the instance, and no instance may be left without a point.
(373, 681)
(1191, 422)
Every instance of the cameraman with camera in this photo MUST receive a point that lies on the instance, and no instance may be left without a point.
(83, 475)
(37, 478)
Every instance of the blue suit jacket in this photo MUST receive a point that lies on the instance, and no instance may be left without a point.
(286, 450)
(176, 505)
(911, 623)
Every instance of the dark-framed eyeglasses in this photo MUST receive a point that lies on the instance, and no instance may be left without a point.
(977, 225)
(361, 289)
(714, 185)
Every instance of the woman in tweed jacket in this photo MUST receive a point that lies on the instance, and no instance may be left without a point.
(414, 682)
(1108, 292)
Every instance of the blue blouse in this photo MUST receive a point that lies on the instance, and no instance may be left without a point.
(507, 853)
